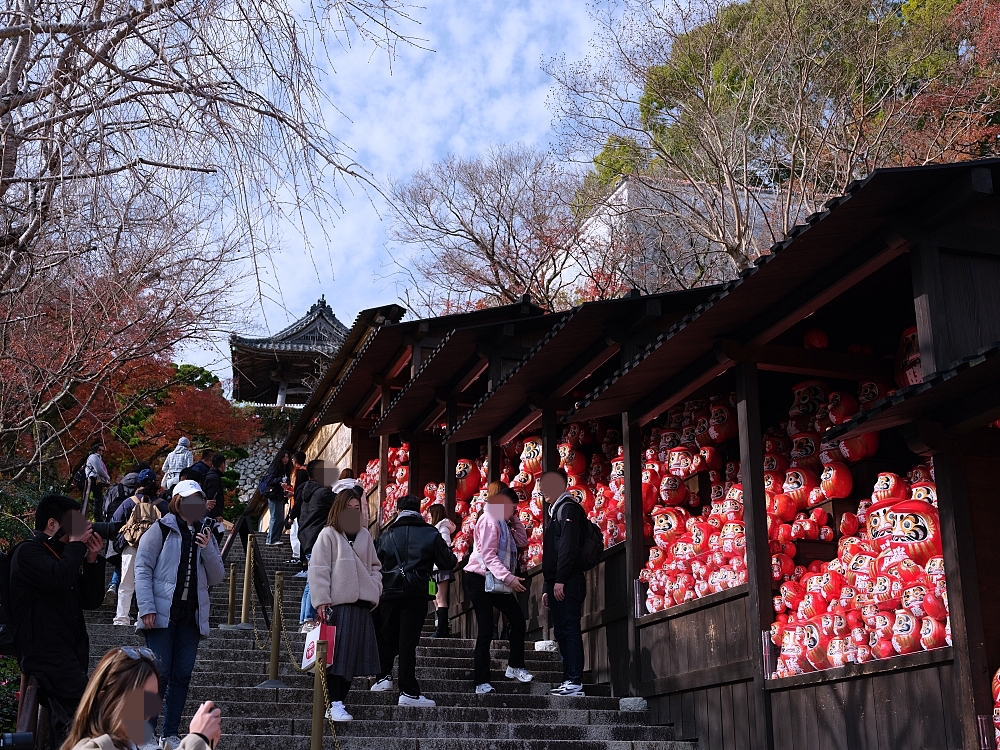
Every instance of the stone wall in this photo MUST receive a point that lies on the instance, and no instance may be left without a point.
(252, 468)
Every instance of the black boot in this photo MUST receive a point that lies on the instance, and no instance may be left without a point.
(443, 629)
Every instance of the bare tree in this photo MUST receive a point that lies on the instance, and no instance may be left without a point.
(147, 149)
(486, 231)
(749, 116)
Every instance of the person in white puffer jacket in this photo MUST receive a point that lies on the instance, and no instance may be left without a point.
(446, 527)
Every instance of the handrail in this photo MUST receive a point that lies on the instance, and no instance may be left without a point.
(261, 584)
(27, 706)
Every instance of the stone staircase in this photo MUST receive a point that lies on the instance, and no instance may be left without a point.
(516, 717)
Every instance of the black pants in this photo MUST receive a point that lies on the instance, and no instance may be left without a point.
(402, 620)
(337, 687)
(484, 604)
(566, 624)
(62, 708)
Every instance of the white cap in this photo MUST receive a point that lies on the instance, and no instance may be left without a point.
(187, 488)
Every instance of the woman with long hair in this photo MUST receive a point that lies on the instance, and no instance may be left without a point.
(277, 482)
(121, 694)
(490, 583)
(446, 527)
(175, 564)
(345, 583)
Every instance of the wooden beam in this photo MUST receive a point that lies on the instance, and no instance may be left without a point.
(759, 608)
(368, 403)
(450, 459)
(472, 373)
(972, 695)
(813, 362)
(679, 387)
(971, 412)
(737, 671)
(430, 415)
(494, 452)
(551, 432)
(397, 381)
(520, 420)
(582, 367)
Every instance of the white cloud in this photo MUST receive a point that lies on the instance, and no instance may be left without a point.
(481, 84)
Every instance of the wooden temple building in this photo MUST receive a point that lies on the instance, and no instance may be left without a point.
(890, 295)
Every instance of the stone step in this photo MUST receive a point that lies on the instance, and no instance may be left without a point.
(246, 742)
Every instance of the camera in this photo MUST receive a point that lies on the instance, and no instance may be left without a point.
(107, 530)
(17, 740)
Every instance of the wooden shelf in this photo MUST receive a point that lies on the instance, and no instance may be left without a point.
(679, 610)
(850, 671)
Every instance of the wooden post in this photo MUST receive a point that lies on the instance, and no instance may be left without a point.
(972, 695)
(417, 480)
(495, 454)
(550, 440)
(758, 554)
(383, 458)
(450, 458)
(319, 699)
(634, 544)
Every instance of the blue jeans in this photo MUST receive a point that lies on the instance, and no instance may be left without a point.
(116, 577)
(277, 521)
(176, 648)
(307, 611)
(566, 624)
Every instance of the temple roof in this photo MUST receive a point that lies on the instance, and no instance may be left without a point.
(284, 368)
(318, 330)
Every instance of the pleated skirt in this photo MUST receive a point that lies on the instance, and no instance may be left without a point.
(355, 650)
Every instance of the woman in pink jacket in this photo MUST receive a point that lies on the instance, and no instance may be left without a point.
(490, 583)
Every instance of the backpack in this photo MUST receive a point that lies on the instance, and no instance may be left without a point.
(6, 621)
(79, 478)
(143, 516)
(115, 495)
(264, 486)
(591, 541)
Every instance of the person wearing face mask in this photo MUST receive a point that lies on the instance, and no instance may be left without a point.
(345, 583)
(490, 584)
(122, 694)
(176, 562)
(55, 575)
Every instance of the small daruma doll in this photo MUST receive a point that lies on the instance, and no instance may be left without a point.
(681, 462)
(916, 530)
(673, 491)
(467, 479)
(798, 483)
(722, 423)
(531, 455)
(908, 368)
(836, 481)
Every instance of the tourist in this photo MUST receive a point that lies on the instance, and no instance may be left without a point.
(113, 499)
(120, 697)
(137, 514)
(346, 481)
(276, 482)
(408, 549)
(202, 465)
(215, 494)
(446, 527)
(98, 480)
(490, 583)
(177, 460)
(314, 498)
(345, 584)
(55, 575)
(176, 563)
(565, 587)
(299, 475)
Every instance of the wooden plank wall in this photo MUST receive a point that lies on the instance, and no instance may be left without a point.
(888, 711)
(980, 475)
(696, 671)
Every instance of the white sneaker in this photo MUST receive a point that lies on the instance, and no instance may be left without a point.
(520, 674)
(484, 689)
(171, 743)
(307, 626)
(381, 685)
(153, 744)
(337, 712)
(570, 689)
(420, 700)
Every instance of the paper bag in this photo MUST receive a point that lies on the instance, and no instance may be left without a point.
(319, 633)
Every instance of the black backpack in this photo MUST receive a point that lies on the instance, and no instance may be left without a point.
(80, 478)
(591, 541)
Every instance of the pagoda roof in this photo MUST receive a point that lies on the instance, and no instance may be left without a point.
(319, 330)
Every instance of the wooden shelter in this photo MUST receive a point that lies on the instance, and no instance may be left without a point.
(902, 248)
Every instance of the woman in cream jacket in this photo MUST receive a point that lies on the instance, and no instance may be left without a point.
(345, 583)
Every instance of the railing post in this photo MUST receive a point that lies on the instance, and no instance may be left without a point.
(319, 698)
(272, 680)
(245, 623)
(231, 613)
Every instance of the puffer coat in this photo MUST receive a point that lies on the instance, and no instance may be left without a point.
(156, 564)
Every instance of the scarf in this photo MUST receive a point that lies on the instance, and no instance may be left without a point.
(506, 549)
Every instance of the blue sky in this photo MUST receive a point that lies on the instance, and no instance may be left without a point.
(481, 84)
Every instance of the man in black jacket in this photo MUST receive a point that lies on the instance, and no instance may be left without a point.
(413, 545)
(211, 485)
(565, 587)
(313, 500)
(54, 576)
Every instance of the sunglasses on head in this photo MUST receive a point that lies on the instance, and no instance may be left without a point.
(138, 653)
